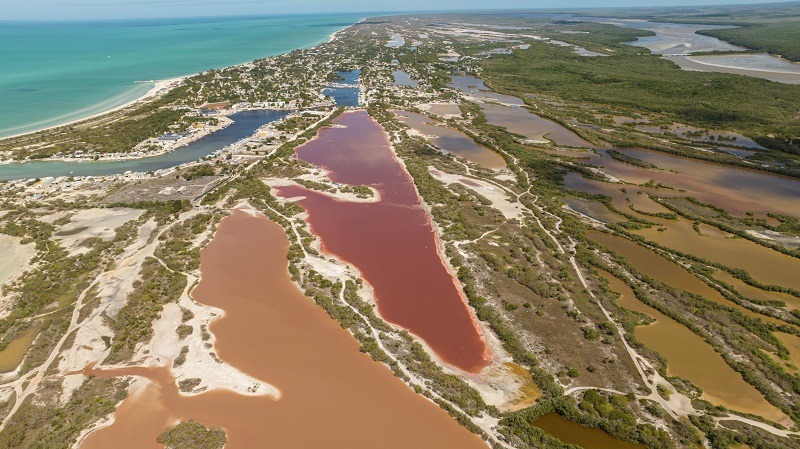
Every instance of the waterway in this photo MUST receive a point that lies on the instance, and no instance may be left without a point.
(244, 125)
(748, 291)
(678, 41)
(391, 241)
(332, 395)
(346, 95)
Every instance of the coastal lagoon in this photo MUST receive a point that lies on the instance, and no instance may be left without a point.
(653, 265)
(474, 87)
(332, 395)
(677, 41)
(390, 241)
(244, 125)
(402, 78)
(56, 72)
(735, 189)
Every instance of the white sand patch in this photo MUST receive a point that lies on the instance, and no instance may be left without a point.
(200, 364)
(444, 110)
(113, 287)
(498, 198)
(14, 257)
(93, 223)
(14, 261)
(774, 236)
(321, 177)
(509, 177)
(505, 385)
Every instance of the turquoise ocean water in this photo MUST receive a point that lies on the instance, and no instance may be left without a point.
(55, 72)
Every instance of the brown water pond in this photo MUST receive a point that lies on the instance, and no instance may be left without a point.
(332, 395)
(622, 200)
(521, 121)
(737, 190)
(391, 242)
(792, 343)
(15, 351)
(763, 264)
(573, 433)
(690, 357)
(748, 291)
(670, 273)
(452, 141)
(443, 109)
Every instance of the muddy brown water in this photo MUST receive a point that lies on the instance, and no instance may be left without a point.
(622, 201)
(792, 343)
(737, 190)
(332, 395)
(763, 264)
(670, 273)
(690, 357)
(573, 433)
(452, 140)
(15, 351)
(391, 242)
(521, 121)
(748, 291)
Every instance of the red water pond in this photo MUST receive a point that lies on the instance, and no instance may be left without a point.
(391, 242)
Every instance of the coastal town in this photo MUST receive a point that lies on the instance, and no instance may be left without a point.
(515, 262)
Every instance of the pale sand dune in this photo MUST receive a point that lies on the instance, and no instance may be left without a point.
(14, 257)
(93, 223)
(500, 200)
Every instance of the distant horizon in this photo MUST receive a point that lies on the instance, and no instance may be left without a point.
(33, 11)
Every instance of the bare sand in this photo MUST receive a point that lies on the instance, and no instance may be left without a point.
(14, 257)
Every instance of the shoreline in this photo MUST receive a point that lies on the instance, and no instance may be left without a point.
(159, 86)
(171, 83)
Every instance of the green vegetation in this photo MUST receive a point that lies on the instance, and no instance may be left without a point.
(177, 249)
(634, 82)
(39, 425)
(134, 322)
(779, 38)
(622, 157)
(192, 435)
(198, 171)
